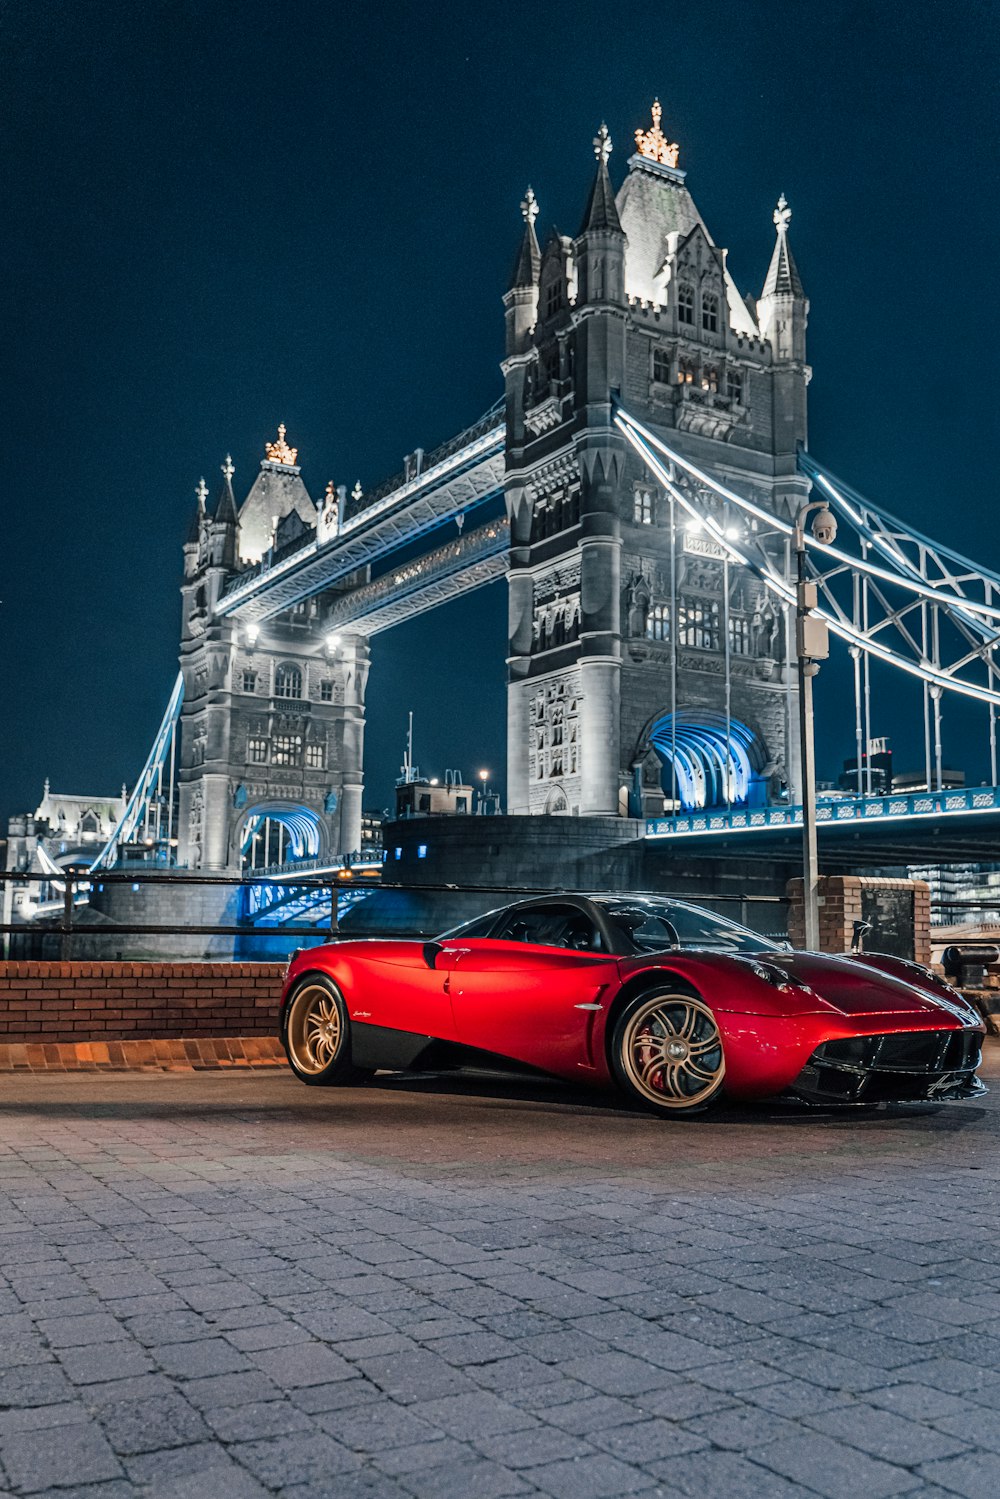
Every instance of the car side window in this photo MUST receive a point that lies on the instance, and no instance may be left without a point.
(551, 926)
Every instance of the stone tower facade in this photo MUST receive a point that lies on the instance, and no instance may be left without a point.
(645, 670)
(272, 726)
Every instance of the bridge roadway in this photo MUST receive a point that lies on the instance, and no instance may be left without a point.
(937, 827)
(455, 479)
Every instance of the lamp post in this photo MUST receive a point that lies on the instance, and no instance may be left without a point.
(812, 645)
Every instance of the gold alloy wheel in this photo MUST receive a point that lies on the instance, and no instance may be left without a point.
(315, 1029)
(671, 1051)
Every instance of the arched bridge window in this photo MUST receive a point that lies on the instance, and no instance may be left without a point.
(288, 682)
(708, 761)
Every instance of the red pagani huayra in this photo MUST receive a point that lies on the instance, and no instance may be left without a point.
(674, 1005)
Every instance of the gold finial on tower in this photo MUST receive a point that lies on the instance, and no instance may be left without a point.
(529, 207)
(654, 144)
(280, 452)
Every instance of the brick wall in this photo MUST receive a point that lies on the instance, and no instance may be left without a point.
(81, 1002)
(840, 905)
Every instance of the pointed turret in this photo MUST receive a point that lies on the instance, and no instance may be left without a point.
(782, 274)
(529, 257)
(601, 212)
(782, 311)
(521, 300)
(196, 531)
(226, 513)
(224, 524)
(782, 307)
(600, 245)
(198, 518)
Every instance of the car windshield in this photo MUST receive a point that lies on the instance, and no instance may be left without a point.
(651, 925)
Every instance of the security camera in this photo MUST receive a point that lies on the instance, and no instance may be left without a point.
(824, 527)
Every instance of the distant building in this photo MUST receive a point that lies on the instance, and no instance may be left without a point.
(67, 827)
(421, 797)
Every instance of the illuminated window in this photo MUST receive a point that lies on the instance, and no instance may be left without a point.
(642, 507)
(315, 756)
(326, 692)
(710, 312)
(257, 751)
(658, 624)
(286, 749)
(661, 366)
(698, 624)
(685, 372)
(710, 378)
(249, 681)
(288, 682)
(685, 304)
(734, 386)
(739, 635)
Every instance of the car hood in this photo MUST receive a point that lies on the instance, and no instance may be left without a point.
(856, 989)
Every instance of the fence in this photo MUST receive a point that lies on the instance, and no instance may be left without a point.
(68, 907)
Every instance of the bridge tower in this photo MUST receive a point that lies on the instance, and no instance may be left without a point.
(644, 669)
(272, 726)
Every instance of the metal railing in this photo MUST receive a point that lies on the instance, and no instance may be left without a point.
(329, 895)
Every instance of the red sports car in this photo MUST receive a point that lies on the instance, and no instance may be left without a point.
(674, 1005)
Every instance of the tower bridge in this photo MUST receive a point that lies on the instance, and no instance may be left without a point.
(638, 485)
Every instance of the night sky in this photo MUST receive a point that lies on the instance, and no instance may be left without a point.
(220, 216)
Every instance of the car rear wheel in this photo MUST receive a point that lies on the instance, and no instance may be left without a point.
(317, 1035)
(666, 1052)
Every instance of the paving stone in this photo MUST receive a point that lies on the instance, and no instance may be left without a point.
(68, 1455)
(97, 1362)
(415, 1376)
(885, 1434)
(834, 1469)
(300, 1458)
(974, 1476)
(469, 1416)
(477, 1477)
(196, 1358)
(596, 1477)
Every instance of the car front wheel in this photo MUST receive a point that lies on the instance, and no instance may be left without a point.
(667, 1054)
(317, 1035)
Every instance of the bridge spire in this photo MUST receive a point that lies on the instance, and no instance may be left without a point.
(782, 278)
(601, 211)
(783, 294)
(226, 513)
(529, 256)
(198, 519)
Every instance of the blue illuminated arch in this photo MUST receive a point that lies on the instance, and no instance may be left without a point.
(305, 832)
(715, 764)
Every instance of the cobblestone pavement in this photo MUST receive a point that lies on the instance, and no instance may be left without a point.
(229, 1286)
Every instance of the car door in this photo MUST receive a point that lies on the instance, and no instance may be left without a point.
(531, 991)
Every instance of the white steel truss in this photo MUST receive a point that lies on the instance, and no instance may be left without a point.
(470, 561)
(891, 594)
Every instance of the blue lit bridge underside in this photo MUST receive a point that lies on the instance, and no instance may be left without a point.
(922, 827)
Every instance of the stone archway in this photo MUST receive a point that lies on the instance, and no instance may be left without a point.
(707, 761)
(279, 832)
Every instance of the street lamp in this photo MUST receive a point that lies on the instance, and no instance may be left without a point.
(812, 645)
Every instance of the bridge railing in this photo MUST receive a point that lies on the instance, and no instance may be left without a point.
(890, 808)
